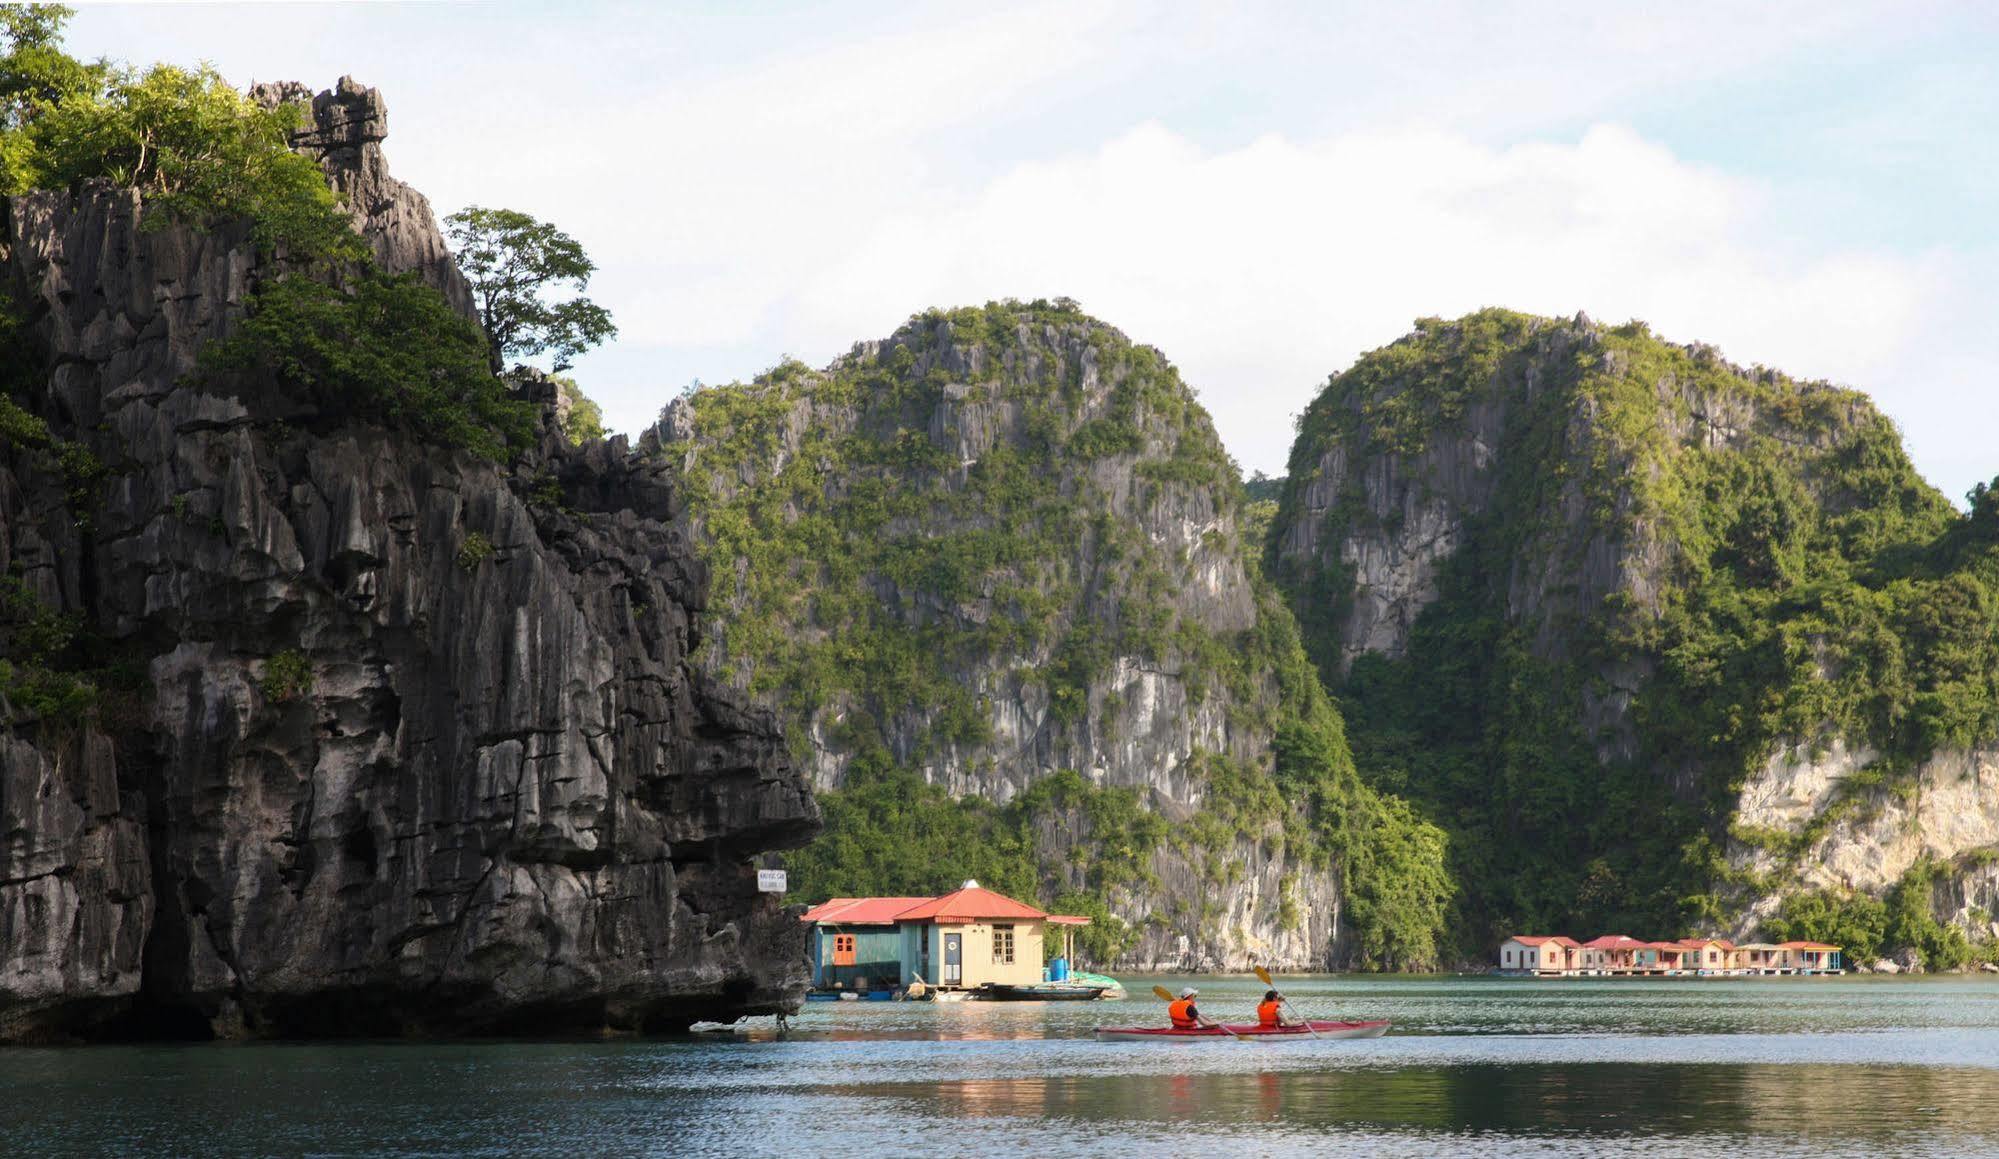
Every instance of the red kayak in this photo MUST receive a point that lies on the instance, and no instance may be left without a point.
(1248, 1030)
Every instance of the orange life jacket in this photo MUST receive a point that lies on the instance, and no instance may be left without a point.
(1183, 1014)
(1266, 1012)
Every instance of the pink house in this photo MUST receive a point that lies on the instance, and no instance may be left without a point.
(1611, 952)
(1708, 953)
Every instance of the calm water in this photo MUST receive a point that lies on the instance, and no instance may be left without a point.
(1473, 1067)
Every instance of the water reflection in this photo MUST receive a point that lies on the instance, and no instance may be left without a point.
(1475, 1067)
(1745, 1102)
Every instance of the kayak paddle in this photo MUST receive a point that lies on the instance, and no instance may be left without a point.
(1167, 996)
(1264, 975)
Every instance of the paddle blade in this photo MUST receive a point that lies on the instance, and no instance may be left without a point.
(1263, 976)
(1165, 995)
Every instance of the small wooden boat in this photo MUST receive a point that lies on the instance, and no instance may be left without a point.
(1247, 1030)
(1113, 989)
(1040, 992)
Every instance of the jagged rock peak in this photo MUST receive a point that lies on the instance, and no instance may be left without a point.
(1601, 580)
(344, 133)
(391, 739)
(999, 551)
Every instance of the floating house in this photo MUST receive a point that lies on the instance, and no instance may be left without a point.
(855, 942)
(1611, 952)
(1537, 955)
(961, 940)
(1788, 958)
(1617, 955)
(1708, 955)
(1812, 957)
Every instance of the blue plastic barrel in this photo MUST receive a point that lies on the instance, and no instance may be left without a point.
(1058, 970)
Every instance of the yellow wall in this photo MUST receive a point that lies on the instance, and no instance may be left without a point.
(979, 965)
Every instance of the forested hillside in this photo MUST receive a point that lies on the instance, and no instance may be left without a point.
(994, 573)
(1582, 593)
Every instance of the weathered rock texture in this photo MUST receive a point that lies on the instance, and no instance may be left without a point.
(1003, 543)
(1865, 837)
(345, 133)
(503, 801)
(1595, 599)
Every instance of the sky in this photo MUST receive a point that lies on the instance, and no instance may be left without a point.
(1263, 191)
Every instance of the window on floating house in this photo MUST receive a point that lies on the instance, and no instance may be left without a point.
(1002, 945)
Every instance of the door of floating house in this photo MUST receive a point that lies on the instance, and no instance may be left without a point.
(954, 959)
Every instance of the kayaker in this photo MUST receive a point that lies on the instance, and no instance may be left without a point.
(1185, 1015)
(1270, 1011)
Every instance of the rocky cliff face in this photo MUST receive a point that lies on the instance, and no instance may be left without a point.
(1001, 544)
(386, 739)
(1583, 591)
(1837, 828)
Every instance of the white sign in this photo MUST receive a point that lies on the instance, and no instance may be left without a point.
(770, 881)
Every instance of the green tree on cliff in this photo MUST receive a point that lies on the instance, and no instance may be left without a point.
(197, 150)
(516, 264)
(578, 414)
(35, 73)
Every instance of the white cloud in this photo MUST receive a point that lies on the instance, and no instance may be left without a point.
(1261, 269)
(1263, 190)
(711, 197)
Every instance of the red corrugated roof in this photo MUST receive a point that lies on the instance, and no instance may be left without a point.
(1613, 942)
(1558, 939)
(860, 911)
(972, 903)
(1805, 946)
(1703, 943)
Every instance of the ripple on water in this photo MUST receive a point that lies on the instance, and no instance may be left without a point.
(1475, 1067)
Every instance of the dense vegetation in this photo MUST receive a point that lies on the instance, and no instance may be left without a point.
(199, 153)
(878, 573)
(1868, 927)
(361, 343)
(195, 149)
(582, 417)
(1804, 583)
(388, 348)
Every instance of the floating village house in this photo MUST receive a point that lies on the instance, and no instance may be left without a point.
(855, 941)
(1618, 955)
(959, 941)
(1538, 955)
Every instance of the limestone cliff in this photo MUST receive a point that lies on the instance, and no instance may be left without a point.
(1829, 821)
(1593, 599)
(1002, 547)
(385, 738)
